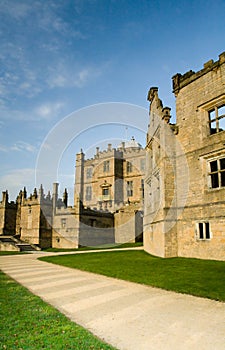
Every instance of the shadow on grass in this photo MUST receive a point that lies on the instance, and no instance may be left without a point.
(202, 278)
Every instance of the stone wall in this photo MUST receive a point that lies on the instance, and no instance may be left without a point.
(188, 219)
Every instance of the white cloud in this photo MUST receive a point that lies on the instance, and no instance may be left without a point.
(49, 110)
(19, 146)
(45, 111)
(64, 76)
(17, 10)
(23, 146)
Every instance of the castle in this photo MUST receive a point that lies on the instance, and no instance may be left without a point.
(173, 190)
(185, 168)
(108, 204)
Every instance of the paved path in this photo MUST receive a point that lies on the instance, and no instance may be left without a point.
(127, 315)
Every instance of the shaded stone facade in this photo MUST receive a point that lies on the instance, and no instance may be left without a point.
(111, 178)
(185, 168)
(113, 182)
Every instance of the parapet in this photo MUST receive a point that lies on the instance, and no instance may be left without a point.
(179, 80)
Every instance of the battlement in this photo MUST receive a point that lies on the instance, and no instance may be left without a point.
(123, 149)
(180, 81)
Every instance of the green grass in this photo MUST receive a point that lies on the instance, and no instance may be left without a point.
(203, 278)
(105, 246)
(26, 322)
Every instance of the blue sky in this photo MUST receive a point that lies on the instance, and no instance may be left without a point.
(58, 57)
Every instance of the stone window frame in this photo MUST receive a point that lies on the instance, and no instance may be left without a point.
(207, 108)
(142, 164)
(105, 191)
(89, 173)
(142, 188)
(207, 158)
(129, 167)
(106, 166)
(203, 230)
(88, 193)
(216, 177)
(215, 116)
(130, 191)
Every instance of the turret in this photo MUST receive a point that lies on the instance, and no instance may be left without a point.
(79, 177)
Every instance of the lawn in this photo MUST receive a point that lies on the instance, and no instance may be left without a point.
(203, 278)
(26, 322)
(105, 246)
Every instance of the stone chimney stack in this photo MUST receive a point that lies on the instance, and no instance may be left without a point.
(5, 198)
(55, 196)
(79, 177)
(65, 198)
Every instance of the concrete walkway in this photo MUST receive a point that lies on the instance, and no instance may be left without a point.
(127, 315)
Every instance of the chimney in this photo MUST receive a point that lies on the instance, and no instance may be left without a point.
(55, 196)
(65, 197)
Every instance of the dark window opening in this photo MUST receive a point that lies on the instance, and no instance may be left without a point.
(105, 191)
(217, 173)
(129, 189)
(207, 233)
(213, 166)
(215, 180)
(203, 230)
(217, 119)
(142, 188)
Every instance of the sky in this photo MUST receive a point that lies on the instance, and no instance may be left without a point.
(66, 64)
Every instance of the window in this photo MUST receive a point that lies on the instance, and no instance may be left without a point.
(106, 166)
(129, 188)
(217, 173)
(105, 191)
(88, 193)
(142, 165)
(203, 230)
(129, 167)
(89, 173)
(142, 188)
(63, 223)
(217, 119)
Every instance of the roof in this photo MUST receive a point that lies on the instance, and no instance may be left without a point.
(130, 144)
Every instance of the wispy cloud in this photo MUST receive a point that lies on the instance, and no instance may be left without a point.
(17, 10)
(23, 146)
(49, 110)
(64, 76)
(27, 67)
(19, 146)
(44, 111)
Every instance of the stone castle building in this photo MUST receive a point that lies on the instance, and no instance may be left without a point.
(113, 181)
(112, 177)
(108, 195)
(185, 168)
(175, 186)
